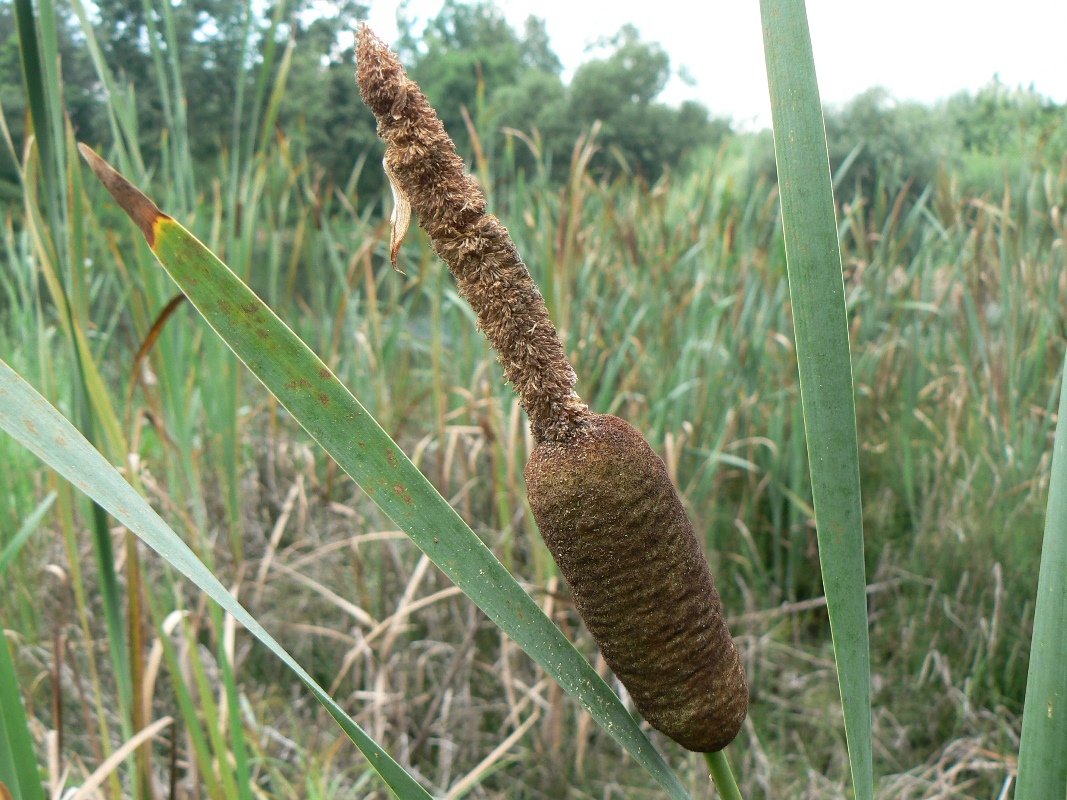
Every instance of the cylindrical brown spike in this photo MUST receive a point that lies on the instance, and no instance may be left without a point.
(616, 527)
(602, 498)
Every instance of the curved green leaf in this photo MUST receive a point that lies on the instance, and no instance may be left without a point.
(26, 529)
(28, 417)
(337, 421)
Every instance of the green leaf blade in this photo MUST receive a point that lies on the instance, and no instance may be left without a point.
(26, 529)
(1043, 749)
(329, 412)
(18, 763)
(816, 289)
(28, 417)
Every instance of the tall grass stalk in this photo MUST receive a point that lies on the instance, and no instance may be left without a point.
(57, 247)
(38, 426)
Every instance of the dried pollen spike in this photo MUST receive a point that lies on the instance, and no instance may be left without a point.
(602, 498)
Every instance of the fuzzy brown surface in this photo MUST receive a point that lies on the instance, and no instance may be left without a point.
(610, 515)
(490, 275)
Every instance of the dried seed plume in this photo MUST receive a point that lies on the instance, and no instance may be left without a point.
(428, 176)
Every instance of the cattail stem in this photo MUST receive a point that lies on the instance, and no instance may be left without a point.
(722, 776)
(427, 177)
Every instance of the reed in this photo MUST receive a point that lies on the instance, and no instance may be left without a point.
(672, 303)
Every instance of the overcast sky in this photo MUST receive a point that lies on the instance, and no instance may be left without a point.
(918, 49)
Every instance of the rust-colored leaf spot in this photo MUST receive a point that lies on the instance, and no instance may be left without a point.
(31, 427)
(292, 386)
(325, 373)
(324, 398)
(252, 307)
(390, 456)
(262, 333)
(131, 199)
(61, 441)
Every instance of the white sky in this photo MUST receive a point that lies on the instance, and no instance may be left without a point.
(918, 49)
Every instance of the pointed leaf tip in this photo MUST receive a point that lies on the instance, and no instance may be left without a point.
(132, 200)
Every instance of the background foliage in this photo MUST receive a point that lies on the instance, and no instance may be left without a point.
(657, 243)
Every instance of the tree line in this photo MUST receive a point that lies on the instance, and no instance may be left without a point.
(478, 71)
(483, 76)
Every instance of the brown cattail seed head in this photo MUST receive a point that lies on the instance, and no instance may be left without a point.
(616, 527)
(423, 168)
(602, 498)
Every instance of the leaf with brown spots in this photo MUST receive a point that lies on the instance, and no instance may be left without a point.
(296, 376)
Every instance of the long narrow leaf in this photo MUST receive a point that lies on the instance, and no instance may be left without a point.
(28, 417)
(18, 764)
(1043, 751)
(36, 93)
(26, 529)
(817, 295)
(329, 412)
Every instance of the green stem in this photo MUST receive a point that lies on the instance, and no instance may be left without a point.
(722, 777)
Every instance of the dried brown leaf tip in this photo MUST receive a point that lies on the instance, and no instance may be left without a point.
(602, 498)
(132, 200)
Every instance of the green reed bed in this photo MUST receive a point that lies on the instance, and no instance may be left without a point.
(674, 305)
(927, 437)
(938, 476)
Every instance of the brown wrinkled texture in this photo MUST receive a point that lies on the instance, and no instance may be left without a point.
(616, 527)
(602, 498)
(489, 273)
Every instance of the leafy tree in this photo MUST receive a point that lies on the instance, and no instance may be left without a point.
(621, 90)
(999, 119)
(467, 58)
(982, 136)
(209, 35)
(322, 109)
(536, 51)
(907, 138)
(465, 54)
(538, 102)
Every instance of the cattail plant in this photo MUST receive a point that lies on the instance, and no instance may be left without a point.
(601, 497)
